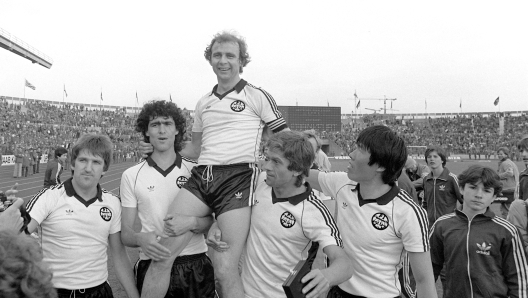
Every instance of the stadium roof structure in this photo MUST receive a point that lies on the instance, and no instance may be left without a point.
(21, 48)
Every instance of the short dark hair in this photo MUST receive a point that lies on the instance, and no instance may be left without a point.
(296, 149)
(226, 36)
(440, 151)
(476, 173)
(60, 151)
(96, 144)
(162, 108)
(386, 149)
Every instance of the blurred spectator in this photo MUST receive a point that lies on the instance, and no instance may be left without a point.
(22, 272)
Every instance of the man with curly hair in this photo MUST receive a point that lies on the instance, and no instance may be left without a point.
(22, 272)
(228, 125)
(148, 189)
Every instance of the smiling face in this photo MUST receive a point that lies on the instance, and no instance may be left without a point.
(477, 197)
(225, 61)
(162, 133)
(87, 170)
(501, 155)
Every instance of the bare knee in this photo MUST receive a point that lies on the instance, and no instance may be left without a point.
(224, 268)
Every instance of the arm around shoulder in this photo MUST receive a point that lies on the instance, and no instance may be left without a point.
(320, 281)
(192, 150)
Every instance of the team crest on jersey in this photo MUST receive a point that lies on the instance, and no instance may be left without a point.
(181, 181)
(484, 249)
(105, 213)
(380, 221)
(238, 106)
(442, 188)
(344, 205)
(287, 220)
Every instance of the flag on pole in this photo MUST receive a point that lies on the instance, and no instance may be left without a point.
(461, 103)
(101, 95)
(496, 102)
(355, 95)
(29, 85)
(170, 97)
(137, 100)
(357, 106)
(426, 104)
(65, 91)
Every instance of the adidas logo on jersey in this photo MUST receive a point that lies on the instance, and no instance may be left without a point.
(69, 212)
(483, 249)
(442, 188)
(238, 195)
(150, 188)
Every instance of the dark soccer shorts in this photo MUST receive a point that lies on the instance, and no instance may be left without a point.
(224, 187)
(101, 291)
(191, 276)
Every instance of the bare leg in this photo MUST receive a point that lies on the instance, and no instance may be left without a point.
(234, 225)
(157, 279)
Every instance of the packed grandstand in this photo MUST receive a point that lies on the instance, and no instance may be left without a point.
(47, 124)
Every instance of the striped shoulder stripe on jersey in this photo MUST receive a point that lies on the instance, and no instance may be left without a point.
(420, 214)
(189, 159)
(329, 220)
(521, 264)
(270, 99)
(454, 177)
(110, 193)
(254, 180)
(35, 198)
(445, 216)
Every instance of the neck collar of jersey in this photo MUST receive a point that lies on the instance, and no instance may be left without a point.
(70, 192)
(383, 200)
(294, 200)
(177, 163)
(238, 87)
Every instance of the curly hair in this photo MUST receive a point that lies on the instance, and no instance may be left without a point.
(162, 108)
(226, 36)
(22, 272)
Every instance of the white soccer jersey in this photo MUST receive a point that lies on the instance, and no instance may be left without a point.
(376, 234)
(151, 190)
(280, 235)
(232, 125)
(74, 234)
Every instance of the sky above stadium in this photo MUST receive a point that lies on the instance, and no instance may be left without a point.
(431, 57)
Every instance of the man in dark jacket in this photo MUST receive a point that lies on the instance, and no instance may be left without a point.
(55, 167)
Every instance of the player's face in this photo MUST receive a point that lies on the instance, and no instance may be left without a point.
(88, 170)
(277, 173)
(358, 169)
(162, 132)
(225, 61)
(63, 157)
(476, 197)
(501, 155)
(434, 161)
(524, 154)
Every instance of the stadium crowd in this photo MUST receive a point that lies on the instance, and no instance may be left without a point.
(477, 136)
(46, 126)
